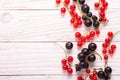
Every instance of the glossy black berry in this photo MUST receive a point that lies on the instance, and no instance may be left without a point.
(85, 51)
(83, 65)
(81, 56)
(101, 74)
(84, 17)
(108, 70)
(85, 8)
(69, 45)
(81, 1)
(91, 58)
(94, 17)
(96, 24)
(92, 46)
(89, 14)
(77, 67)
(88, 22)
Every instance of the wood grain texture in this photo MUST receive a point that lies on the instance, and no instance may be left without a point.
(28, 31)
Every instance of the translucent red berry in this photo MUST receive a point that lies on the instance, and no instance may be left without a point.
(83, 39)
(96, 5)
(66, 2)
(105, 4)
(111, 51)
(104, 51)
(58, 2)
(102, 15)
(94, 72)
(104, 20)
(105, 57)
(113, 46)
(70, 59)
(75, 24)
(102, 9)
(97, 32)
(92, 34)
(79, 22)
(64, 61)
(110, 34)
(80, 78)
(72, 20)
(87, 71)
(91, 76)
(107, 40)
(77, 34)
(79, 44)
(72, 7)
(63, 10)
(104, 45)
(65, 67)
(70, 70)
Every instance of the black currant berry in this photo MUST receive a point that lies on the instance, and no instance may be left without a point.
(94, 18)
(81, 1)
(81, 56)
(84, 17)
(88, 22)
(85, 51)
(92, 46)
(96, 24)
(101, 74)
(77, 67)
(85, 8)
(108, 70)
(89, 14)
(91, 58)
(84, 65)
(69, 45)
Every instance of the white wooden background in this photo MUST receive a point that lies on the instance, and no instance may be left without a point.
(27, 50)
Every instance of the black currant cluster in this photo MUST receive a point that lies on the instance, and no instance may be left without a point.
(86, 56)
(88, 18)
(105, 74)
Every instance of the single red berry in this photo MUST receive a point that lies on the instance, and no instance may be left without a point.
(107, 40)
(87, 71)
(64, 61)
(88, 37)
(72, 7)
(75, 24)
(97, 32)
(111, 51)
(105, 57)
(104, 20)
(79, 44)
(66, 2)
(110, 34)
(104, 45)
(105, 4)
(83, 39)
(102, 9)
(79, 22)
(102, 15)
(102, 1)
(104, 51)
(96, 5)
(91, 76)
(94, 78)
(94, 72)
(79, 78)
(65, 67)
(58, 2)
(113, 46)
(75, 15)
(70, 70)
(78, 18)
(92, 34)
(77, 34)
(70, 59)
(63, 10)
(72, 20)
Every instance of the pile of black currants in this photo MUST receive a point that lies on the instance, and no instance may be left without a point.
(86, 55)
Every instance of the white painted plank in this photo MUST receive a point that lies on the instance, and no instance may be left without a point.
(34, 58)
(41, 26)
(44, 4)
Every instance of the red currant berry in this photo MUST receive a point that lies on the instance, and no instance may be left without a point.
(63, 10)
(104, 51)
(64, 61)
(104, 45)
(92, 34)
(102, 1)
(110, 34)
(94, 78)
(104, 20)
(111, 51)
(94, 72)
(83, 39)
(72, 20)
(91, 76)
(102, 9)
(77, 34)
(79, 78)
(75, 15)
(57, 2)
(79, 44)
(65, 67)
(72, 7)
(107, 40)
(105, 57)
(96, 5)
(102, 14)
(87, 71)
(113, 46)
(66, 2)
(105, 4)
(75, 24)
(97, 32)
(88, 37)
(70, 59)
(79, 22)
(78, 18)
(70, 70)
(71, 12)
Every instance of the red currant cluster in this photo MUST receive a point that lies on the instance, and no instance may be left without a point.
(88, 37)
(102, 6)
(107, 48)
